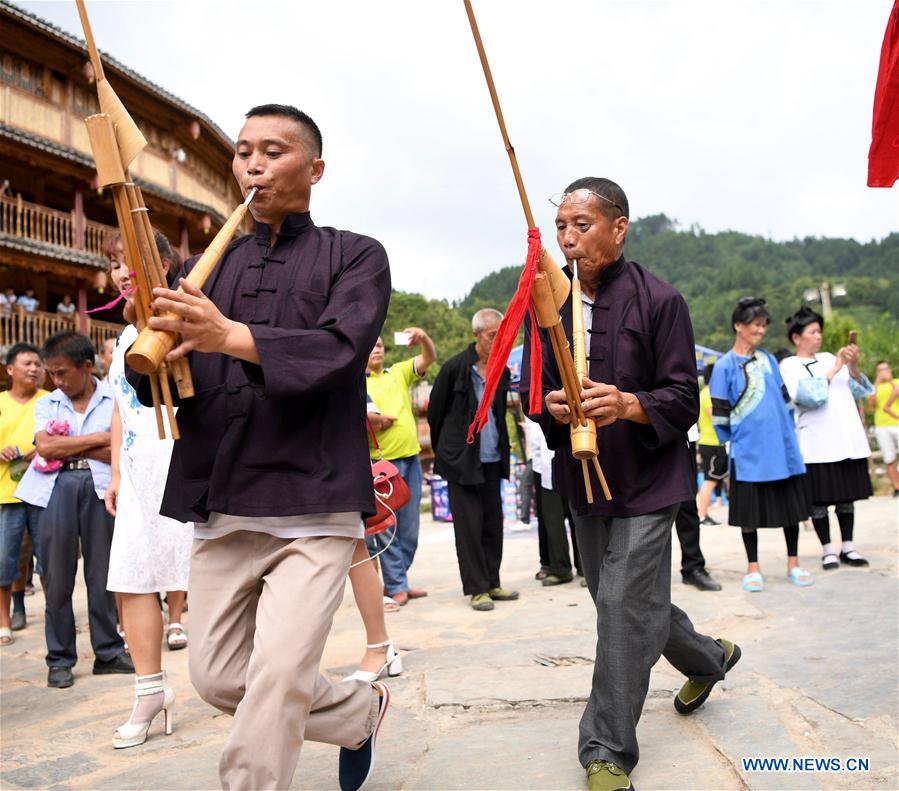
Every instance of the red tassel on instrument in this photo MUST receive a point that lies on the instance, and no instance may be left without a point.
(505, 337)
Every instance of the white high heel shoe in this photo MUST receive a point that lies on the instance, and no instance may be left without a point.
(393, 664)
(132, 733)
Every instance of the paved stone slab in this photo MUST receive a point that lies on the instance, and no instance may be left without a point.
(483, 701)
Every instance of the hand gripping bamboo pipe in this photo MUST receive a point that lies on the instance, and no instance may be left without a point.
(148, 352)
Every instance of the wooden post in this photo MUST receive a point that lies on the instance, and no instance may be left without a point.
(78, 216)
(81, 302)
(184, 244)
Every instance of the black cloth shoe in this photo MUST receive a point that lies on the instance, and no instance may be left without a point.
(356, 765)
(18, 621)
(118, 664)
(60, 677)
(857, 561)
(709, 522)
(701, 579)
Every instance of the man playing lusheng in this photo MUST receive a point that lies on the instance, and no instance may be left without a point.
(273, 464)
(642, 392)
(397, 436)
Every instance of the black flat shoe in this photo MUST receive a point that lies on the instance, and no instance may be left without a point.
(18, 621)
(858, 561)
(119, 664)
(60, 677)
(701, 579)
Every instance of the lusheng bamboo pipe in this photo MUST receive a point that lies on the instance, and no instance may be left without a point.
(584, 444)
(148, 352)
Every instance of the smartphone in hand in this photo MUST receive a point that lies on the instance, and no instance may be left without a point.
(853, 337)
(401, 339)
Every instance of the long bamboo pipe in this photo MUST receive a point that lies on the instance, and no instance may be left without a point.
(148, 352)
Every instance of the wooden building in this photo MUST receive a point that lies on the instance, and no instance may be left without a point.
(53, 218)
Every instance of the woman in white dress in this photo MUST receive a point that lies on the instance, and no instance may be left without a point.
(825, 388)
(150, 553)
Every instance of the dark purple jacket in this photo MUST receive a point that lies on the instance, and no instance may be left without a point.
(641, 341)
(287, 436)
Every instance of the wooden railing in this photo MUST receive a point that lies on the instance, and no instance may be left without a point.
(21, 327)
(41, 224)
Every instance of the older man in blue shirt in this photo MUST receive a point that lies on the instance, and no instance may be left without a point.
(72, 499)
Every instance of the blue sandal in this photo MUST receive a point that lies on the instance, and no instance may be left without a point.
(800, 577)
(753, 582)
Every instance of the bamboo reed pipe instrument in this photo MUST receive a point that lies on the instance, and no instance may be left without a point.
(549, 293)
(148, 352)
(584, 445)
(115, 141)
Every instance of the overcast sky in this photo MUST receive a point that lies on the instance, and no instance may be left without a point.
(751, 116)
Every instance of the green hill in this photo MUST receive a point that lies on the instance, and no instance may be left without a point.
(712, 271)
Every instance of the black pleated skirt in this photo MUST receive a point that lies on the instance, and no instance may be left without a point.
(768, 504)
(839, 481)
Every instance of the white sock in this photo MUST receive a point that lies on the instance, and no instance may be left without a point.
(848, 547)
(827, 549)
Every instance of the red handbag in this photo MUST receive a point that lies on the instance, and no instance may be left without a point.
(391, 491)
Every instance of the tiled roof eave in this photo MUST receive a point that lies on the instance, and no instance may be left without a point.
(73, 155)
(66, 255)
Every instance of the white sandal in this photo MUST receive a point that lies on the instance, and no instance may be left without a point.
(175, 636)
(6, 637)
(393, 664)
(132, 734)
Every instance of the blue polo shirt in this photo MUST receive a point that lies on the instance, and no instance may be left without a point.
(36, 487)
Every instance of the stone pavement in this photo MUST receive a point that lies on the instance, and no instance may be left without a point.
(492, 700)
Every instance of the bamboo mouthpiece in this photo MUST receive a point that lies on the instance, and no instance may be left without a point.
(151, 347)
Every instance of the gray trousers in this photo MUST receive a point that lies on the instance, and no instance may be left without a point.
(75, 512)
(627, 564)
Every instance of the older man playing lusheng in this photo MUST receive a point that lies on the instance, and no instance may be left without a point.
(641, 390)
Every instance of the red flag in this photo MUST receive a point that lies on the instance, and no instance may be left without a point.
(883, 158)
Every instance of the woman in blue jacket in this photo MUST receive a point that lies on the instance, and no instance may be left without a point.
(749, 410)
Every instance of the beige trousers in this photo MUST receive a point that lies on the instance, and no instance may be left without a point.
(260, 611)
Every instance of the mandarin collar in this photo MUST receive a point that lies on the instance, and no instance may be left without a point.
(611, 272)
(292, 225)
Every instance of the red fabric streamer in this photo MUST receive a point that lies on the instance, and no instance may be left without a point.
(883, 157)
(505, 337)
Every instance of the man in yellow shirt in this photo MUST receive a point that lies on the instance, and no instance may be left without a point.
(886, 419)
(397, 435)
(26, 372)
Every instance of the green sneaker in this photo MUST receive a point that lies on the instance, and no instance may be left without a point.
(481, 601)
(557, 579)
(501, 594)
(606, 776)
(694, 693)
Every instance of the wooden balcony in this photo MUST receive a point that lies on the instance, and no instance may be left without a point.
(24, 220)
(21, 327)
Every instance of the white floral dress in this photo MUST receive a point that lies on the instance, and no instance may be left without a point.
(150, 553)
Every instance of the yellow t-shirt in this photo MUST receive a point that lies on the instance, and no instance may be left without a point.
(390, 392)
(882, 395)
(707, 435)
(16, 428)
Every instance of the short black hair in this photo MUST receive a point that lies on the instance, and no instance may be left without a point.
(19, 348)
(77, 347)
(747, 310)
(289, 111)
(797, 323)
(614, 195)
